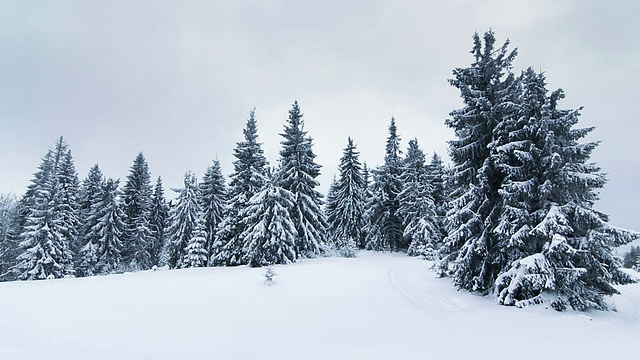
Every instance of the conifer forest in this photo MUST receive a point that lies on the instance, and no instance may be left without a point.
(507, 213)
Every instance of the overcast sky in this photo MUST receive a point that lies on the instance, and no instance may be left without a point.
(177, 79)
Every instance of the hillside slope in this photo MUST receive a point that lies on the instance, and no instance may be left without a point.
(376, 306)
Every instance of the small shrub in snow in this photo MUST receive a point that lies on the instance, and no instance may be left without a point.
(269, 275)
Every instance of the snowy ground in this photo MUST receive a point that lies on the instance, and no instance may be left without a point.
(377, 306)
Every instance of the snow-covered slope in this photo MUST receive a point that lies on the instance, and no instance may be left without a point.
(376, 306)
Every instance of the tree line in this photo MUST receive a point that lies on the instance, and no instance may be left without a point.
(512, 216)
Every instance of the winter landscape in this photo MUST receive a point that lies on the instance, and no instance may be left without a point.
(487, 241)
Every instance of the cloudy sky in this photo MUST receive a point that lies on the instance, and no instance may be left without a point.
(177, 79)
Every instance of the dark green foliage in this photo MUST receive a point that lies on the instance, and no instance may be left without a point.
(183, 219)
(521, 221)
(249, 176)
(158, 223)
(270, 232)
(345, 205)
(213, 200)
(138, 238)
(384, 228)
(297, 173)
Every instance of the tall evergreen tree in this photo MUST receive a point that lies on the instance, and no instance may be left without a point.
(385, 229)
(347, 218)
(470, 252)
(138, 238)
(554, 240)
(248, 178)
(90, 195)
(438, 178)
(213, 199)
(298, 173)
(183, 219)
(331, 205)
(101, 254)
(416, 205)
(9, 249)
(65, 195)
(46, 252)
(270, 232)
(524, 225)
(158, 223)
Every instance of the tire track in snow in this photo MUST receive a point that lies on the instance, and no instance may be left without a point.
(417, 291)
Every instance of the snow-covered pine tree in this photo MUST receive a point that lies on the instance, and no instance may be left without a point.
(298, 173)
(90, 195)
(368, 200)
(65, 195)
(269, 230)
(158, 222)
(248, 178)
(196, 253)
(9, 249)
(385, 229)
(183, 218)
(347, 218)
(138, 238)
(556, 242)
(469, 252)
(330, 206)
(45, 251)
(213, 199)
(438, 178)
(417, 208)
(101, 255)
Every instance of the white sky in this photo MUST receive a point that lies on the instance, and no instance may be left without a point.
(177, 79)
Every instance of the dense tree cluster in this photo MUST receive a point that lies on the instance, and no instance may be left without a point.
(513, 216)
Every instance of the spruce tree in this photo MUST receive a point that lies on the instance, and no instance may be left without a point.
(347, 218)
(556, 242)
(330, 207)
(183, 219)
(522, 222)
(270, 232)
(65, 195)
(213, 198)
(138, 238)
(469, 252)
(417, 207)
(196, 254)
(385, 229)
(248, 178)
(9, 249)
(158, 223)
(91, 194)
(46, 252)
(298, 172)
(101, 254)
(368, 200)
(437, 176)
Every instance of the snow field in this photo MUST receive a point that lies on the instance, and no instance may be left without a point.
(375, 306)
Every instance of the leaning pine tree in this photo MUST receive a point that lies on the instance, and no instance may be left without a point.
(298, 173)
